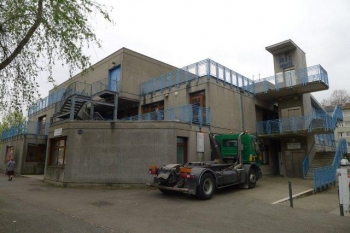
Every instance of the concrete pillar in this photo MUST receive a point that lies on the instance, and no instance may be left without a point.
(92, 111)
(115, 112)
(72, 108)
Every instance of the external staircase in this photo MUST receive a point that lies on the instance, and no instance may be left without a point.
(78, 94)
(321, 159)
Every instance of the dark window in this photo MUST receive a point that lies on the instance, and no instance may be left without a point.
(36, 152)
(58, 151)
(230, 143)
(155, 109)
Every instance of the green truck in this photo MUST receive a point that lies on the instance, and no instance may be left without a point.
(236, 160)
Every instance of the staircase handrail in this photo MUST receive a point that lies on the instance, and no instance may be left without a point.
(306, 165)
(306, 162)
(326, 176)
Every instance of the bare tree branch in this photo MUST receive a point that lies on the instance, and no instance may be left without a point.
(26, 38)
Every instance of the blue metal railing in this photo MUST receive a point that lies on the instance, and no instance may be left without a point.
(187, 114)
(86, 89)
(46, 102)
(324, 141)
(74, 88)
(208, 68)
(36, 128)
(326, 176)
(291, 78)
(204, 69)
(321, 120)
(306, 165)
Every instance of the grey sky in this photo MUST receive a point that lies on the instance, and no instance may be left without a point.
(232, 33)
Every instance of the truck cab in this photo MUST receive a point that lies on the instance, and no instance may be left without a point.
(251, 148)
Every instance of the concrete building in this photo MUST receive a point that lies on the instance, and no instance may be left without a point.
(132, 111)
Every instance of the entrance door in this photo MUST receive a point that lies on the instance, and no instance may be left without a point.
(181, 157)
(294, 160)
(287, 115)
(114, 78)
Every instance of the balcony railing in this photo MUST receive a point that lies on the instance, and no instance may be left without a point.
(208, 68)
(87, 90)
(292, 78)
(35, 128)
(203, 69)
(326, 176)
(46, 102)
(320, 121)
(186, 114)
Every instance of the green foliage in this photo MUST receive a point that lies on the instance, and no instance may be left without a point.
(11, 119)
(36, 33)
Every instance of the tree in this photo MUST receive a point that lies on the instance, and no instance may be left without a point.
(338, 97)
(12, 119)
(36, 33)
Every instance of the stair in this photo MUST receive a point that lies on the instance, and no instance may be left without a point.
(67, 105)
(321, 159)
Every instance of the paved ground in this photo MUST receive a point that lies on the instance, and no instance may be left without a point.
(29, 205)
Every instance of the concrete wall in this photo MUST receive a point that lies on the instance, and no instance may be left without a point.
(119, 152)
(137, 68)
(20, 145)
(298, 59)
(225, 104)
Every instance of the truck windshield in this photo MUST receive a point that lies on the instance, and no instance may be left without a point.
(230, 143)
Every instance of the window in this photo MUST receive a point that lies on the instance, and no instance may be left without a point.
(348, 134)
(42, 125)
(36, 152)
(58, 151)
(155, 110)
(197, 100)
(230, 143)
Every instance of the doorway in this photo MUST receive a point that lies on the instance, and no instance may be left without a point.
(181, 154)
(114, 78)
(294, 160)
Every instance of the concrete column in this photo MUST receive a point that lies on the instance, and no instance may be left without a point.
(71, 116)
(115, 112)
(92, 111)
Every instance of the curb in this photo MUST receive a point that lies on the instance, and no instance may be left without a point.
(302, 194)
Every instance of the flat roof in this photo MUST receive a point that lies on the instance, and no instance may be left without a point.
(282, 47)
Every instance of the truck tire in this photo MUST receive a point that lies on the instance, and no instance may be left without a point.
(252, 178)
(206, 188)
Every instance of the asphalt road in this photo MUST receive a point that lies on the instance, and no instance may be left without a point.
(29, 205)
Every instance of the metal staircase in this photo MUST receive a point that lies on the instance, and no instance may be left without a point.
(78, 94)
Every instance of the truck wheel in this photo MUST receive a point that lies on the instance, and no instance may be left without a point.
(252, 178)
(206, 188)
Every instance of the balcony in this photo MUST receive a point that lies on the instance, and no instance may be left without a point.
(306, 80)
(317, 123)
(207, 68)
(190, 114)
(33, 128)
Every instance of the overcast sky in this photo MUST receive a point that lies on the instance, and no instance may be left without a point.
(232, 33)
